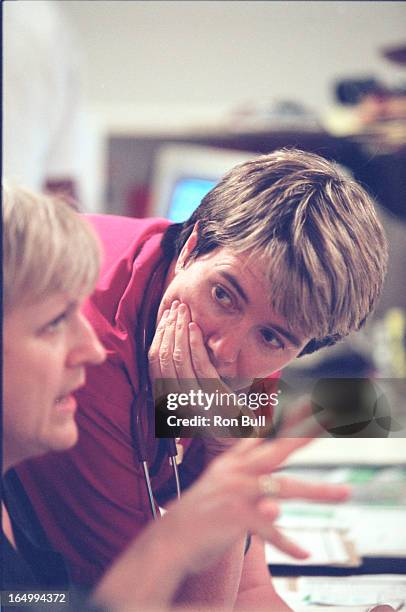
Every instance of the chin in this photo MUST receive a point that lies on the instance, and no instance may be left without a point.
(65, 439)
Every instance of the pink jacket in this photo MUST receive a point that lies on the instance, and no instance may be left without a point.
(91, 500)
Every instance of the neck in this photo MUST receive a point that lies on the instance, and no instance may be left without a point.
(6, 526)
(12, 453)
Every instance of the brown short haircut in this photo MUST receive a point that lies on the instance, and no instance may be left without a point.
(316, 229)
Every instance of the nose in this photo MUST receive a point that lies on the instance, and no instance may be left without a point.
(224, 348)
(86, 348)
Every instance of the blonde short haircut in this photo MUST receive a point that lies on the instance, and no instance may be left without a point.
(315, 229)
(47, 247)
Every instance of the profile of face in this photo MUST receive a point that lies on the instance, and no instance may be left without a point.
(46, 347)
(228, 298)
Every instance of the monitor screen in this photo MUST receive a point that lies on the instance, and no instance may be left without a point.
(187, 194)
(184, 173)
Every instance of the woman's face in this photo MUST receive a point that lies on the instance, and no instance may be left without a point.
(46, 348)
(228, 297)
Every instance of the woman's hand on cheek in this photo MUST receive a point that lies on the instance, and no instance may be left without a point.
(177, 350)
(179, 363)
(159, 352)
(171, 368)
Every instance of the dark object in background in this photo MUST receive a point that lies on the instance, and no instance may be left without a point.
(353, 91)
(348, 364)
(396, 54)
(351, 407)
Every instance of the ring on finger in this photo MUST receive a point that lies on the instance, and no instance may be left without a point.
(269, 486)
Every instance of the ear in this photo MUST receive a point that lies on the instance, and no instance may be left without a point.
(187, 248)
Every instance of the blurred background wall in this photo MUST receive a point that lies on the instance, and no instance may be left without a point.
(153, 66)
(168, 61)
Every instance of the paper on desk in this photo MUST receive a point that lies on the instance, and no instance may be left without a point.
(365, 590)
(344, 451)
(378, 531)
(306, 607)
(383, 485)
(326, 547)
(355, 593)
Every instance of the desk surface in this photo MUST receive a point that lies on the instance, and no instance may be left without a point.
(347, 451)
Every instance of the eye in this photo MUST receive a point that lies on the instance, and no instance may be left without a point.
(56, 323)
(223, 297)
(271, 340)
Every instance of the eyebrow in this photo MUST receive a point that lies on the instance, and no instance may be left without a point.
(280, 330)
(234, 282)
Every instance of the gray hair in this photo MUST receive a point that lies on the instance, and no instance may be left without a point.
(47, 247)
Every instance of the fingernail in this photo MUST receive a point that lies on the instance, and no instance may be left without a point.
(182, 309)
(174, 306)
(304, 554)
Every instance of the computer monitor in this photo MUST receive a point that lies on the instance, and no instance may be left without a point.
(184, 173)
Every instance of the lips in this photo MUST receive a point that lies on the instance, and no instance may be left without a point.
(71, 389)
(66, 403)
(62, 398)
(67, 400)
